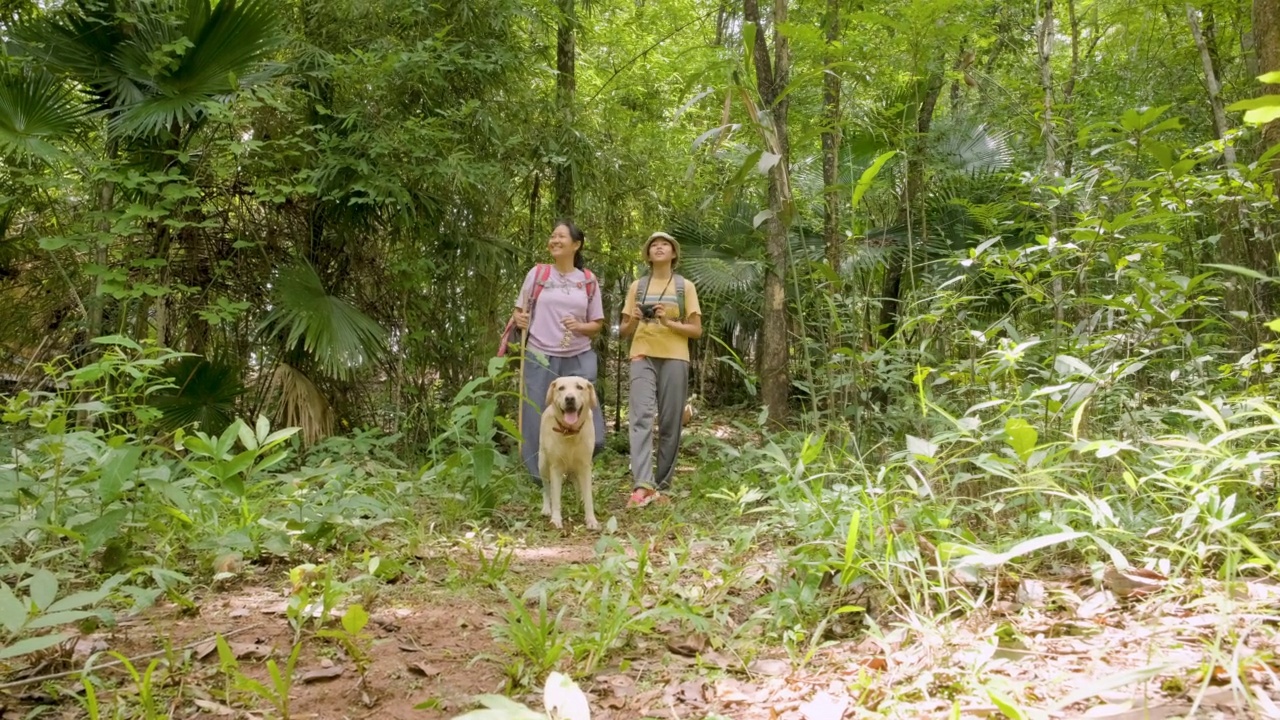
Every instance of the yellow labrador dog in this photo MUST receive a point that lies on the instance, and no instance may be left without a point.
(565, 442)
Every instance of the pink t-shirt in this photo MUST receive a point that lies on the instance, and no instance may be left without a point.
(562, 296)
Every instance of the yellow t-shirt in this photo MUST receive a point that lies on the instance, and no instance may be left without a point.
(651, 338)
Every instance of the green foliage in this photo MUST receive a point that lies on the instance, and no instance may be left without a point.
(338, 336)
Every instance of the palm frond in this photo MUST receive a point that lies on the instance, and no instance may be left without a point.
(36, 110)
(204, 392)
(339, 337)
(715, 274)
(299, 403)
(227, 46)
(971, 148)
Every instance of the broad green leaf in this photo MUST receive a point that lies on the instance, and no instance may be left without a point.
(13, 612)
(119, 465)
(43, 587)
(262, 429)
(484, 418)
(869, 176)
(1211, 413)
(32, 644)
(1262, 116)
(1247, 272)
(279, 436)
(355, 619)
(59, 618)
(1021, 436)
(118, 340)
(1255, 103)
(500, 708)
(1006, 705)
(247, 437)
(99, 530)
(75, 601)
(482, 459)
(237, 464)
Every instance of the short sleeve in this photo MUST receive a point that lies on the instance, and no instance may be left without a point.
(629, 307)
(527, 288)
(691, 306)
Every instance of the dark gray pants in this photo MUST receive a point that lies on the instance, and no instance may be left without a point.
(539, 371)
(659, 388)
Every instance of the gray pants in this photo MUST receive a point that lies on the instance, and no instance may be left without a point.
(539, 371)
(659, 387)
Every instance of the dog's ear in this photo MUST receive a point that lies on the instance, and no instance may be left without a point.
(551, 393)
(592, 402)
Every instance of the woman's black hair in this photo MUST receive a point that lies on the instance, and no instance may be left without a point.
(577, 236)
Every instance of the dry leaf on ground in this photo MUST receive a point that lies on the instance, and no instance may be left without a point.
(320, 674)
(1134, 582)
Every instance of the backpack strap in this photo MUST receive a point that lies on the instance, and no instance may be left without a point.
(541, 275)
(680, 295)
(642, 289)
(591, 286)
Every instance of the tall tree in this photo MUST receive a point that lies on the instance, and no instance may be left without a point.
(1266, 40)
(566, 84)
(1212, 86)
(831, 135)
(910, 207)
(772, 76)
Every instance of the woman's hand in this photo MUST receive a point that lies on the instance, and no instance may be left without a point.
(574, 325)
(522, 319)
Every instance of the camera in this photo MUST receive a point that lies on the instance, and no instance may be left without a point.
(648, 311)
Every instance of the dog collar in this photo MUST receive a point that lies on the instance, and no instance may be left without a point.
(567, 430)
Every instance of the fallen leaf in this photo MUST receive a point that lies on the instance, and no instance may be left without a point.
(210, 706)
(874, 663)
(1134, 582)
(320, 674)
(1096, 604)
(769, 667)
(253, 651)
(423, 669)
(687, 645)
(617, 684)
(1005, 607)
(825, 706)
(1031, 592)
(729, 690)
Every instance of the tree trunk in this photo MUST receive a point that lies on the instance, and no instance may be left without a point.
(1069, 92)
(565, 87)
(1266, 40)
(831, 139)
(910, 213)
(1044, 47)
(1211, 84)
(771, 77)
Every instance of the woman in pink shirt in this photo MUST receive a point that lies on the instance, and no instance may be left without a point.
(566, 314)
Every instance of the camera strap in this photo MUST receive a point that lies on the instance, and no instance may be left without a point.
(642, 290)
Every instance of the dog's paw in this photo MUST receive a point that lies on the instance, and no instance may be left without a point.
(593, 524)
(558, 523)
(546, 509)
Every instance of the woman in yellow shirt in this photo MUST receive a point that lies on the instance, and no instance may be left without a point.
(662, 314)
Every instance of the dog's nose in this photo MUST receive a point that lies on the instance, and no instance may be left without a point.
(569, 402)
